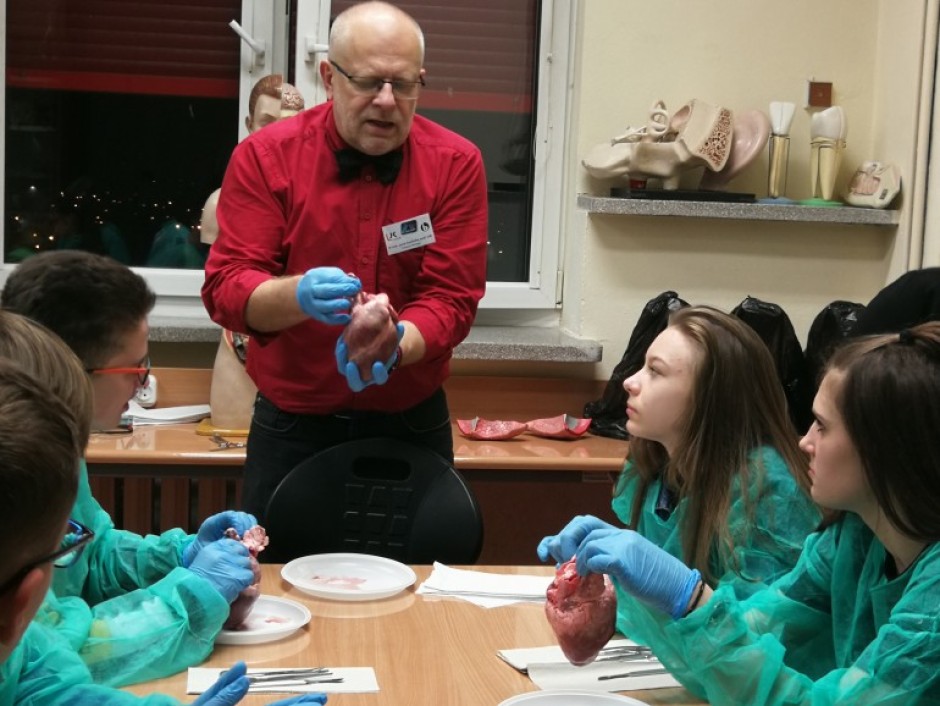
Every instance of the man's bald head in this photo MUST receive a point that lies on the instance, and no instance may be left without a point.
(373, 16)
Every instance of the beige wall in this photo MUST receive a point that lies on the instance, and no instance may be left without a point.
(741, 54)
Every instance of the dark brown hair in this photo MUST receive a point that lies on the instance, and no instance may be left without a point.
(91, 301)
(738, 405)
(889, 400)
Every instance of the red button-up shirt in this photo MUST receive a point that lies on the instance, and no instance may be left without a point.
(283, 211)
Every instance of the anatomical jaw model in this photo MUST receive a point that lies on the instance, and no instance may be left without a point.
(827, 132)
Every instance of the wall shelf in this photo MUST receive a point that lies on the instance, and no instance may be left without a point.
(738, 211)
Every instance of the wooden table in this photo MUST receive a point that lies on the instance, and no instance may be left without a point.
(433, 652)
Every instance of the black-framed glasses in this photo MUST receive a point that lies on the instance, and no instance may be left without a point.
(72, 546)
(142, 371)
(372, 85)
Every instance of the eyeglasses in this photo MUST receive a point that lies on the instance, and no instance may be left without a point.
(73, 544)
(372, 85)
(142, 372)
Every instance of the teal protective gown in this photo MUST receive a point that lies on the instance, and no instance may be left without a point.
(43, 671)
(835, 630)
(767, 543)
(127, 606)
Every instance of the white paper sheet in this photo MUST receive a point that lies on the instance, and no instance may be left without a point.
(355, 680)
(489, 590)
(548, 668)
(165, 415)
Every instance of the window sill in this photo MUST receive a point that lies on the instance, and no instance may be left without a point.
(504, 343)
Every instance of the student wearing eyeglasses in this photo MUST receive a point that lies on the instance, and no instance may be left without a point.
(44, 425)
(134, 608)
(358, 194)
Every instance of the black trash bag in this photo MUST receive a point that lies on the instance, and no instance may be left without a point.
(773, 325)
(911, 299)
(832, 325)
(609, 414)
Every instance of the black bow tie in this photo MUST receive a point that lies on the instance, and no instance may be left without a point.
(351, 161)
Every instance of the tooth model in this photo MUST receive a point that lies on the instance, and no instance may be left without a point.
(781, 116)
(827, 133)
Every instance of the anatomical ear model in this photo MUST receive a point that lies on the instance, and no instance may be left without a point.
(698, 134)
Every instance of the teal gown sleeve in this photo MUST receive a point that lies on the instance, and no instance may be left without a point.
(768, 528)
(834, 631)
(43, 671)
(127, 606)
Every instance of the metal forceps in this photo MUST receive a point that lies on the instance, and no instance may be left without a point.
(223, 443)
(293, 677)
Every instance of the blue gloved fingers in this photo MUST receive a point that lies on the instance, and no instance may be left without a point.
(313, 698)
(228, 689)
(545, 550)
(350, 371)
(332, 282)
(226, 565)
(213, 528)
(562, 546)
(342, 355)
(334, 311)
(380, 372)
(241, 521)
(353, 379)
(640, 567)
(325, 293)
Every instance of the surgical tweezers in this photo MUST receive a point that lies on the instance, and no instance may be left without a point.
(293, 677)
(634, 673)
(226, 444)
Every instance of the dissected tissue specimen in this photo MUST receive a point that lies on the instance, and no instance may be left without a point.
(256, 539)
(582, 611)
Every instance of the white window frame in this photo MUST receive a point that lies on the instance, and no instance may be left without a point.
(266, 21)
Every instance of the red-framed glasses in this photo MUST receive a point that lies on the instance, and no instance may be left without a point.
(142, 372)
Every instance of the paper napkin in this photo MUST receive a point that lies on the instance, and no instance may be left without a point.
(548, 668)
(489, 590)
(355, 680)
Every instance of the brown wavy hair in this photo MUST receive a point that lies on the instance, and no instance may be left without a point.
(737, 406)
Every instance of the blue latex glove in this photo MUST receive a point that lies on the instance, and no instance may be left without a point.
(562, 546)
(640, 567)
(224, 564)
(213, 529)
(304, 699)
(325, 294)
(228, 689)
(380, 370)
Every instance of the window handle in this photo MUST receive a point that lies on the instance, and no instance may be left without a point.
(256, 45)
(312, 47)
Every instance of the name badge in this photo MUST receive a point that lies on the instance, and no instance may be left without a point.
(407, 235)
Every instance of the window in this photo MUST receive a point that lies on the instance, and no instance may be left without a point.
(119, 119)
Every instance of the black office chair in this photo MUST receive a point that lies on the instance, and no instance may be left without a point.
(375, 496)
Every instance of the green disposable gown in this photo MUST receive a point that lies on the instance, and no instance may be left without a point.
(43, 671)
(767, 542)
(127, 606)
(834, 630)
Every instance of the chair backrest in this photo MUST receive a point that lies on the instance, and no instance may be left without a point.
(375, 496)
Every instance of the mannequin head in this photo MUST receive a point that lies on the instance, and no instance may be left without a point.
(271, 100)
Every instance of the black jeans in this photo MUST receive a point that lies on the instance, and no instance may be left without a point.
(279, 440)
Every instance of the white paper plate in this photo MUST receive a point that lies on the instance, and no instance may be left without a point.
(571, 698)
(270, 619)
(348, 577)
